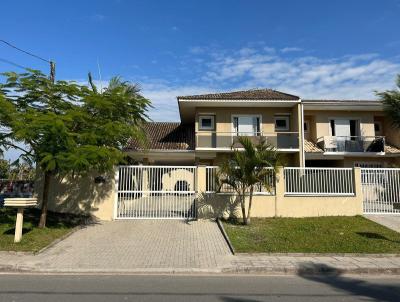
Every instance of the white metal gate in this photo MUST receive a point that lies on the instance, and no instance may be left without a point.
(156, 192)
(381, 190)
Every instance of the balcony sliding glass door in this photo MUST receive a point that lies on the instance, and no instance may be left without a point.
(246, 125)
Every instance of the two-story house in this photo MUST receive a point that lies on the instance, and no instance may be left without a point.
(326, 133)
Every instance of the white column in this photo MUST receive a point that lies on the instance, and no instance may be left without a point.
(18, 225)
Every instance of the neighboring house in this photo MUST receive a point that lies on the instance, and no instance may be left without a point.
(325, 133)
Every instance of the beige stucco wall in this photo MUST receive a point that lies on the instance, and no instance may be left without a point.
(319, 121)
(81, 195)
(281, 205)
(391, 133)
(223, 117)
(228, 205)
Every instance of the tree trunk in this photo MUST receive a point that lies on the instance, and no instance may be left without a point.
(243, 206)
(250, 202)
(45, 199)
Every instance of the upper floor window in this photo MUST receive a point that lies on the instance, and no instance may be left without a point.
(306, 126)
(247, 125)
(206, 122)
(344, 128)
(282, 123)
(378, 128)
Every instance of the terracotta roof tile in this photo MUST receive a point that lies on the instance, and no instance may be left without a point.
(390, 149)
(310, 147)
(166, 136)
(254, 94)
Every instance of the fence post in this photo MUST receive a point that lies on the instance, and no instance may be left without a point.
(279, 189)
(358, 189)
(201, 179)
(116, 187)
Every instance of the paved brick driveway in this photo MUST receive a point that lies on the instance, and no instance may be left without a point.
(140, 244)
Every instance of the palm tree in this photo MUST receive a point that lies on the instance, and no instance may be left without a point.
(248, 169)
(391, 103)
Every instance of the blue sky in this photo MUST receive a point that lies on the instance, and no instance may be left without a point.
(315, 49)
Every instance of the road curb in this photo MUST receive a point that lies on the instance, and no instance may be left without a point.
(225, 235)
(243, 270)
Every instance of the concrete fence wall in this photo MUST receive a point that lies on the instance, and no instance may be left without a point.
(83, 195)
(281, 205)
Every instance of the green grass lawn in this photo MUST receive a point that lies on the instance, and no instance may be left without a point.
(312, 235)
(33, 238)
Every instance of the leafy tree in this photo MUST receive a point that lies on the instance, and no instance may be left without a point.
(4, 169)
(391, 103)
(247, 169)
(69, 128)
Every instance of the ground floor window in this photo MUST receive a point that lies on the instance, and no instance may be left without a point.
(368, 165)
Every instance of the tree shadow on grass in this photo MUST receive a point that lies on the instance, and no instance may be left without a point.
(11, 231)
(331, 276)
(54, 220)
(370, 235)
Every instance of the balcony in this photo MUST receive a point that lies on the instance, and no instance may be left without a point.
(373, 144)
(209, 140)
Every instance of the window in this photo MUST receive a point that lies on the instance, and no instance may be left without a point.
(344, 128)
(306, 126)
(246, 125)
(378, 128)
(206, 122)
(282, 123)
(368, 165)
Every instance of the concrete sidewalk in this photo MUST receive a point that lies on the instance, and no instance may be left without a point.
(238, 264)
(314, 264)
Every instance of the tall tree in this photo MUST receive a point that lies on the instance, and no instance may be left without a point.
(66, 128)
(391, 103)
(247, 169)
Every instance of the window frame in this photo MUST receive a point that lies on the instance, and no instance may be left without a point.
(208, 116)
(306, 123)
(380, 131)
(259, 116)
(282, 117)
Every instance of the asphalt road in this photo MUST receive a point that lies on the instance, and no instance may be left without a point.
(196, 288)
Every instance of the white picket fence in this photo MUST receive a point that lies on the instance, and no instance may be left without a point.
(212, 183)
(319, 181)
(381, 190)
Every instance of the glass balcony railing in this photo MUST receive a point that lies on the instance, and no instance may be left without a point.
(375, 144)
(226, 140)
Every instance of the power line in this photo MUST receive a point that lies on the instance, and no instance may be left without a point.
(12, 63)
(24, 51)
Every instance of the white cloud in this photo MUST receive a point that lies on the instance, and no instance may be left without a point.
(291, 49)
(351, 76)
(98, 17)
(163, 97)
(354, 76)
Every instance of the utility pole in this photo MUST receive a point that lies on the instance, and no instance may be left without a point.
(52, 71)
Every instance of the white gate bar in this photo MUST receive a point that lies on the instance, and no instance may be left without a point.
(381, 190)
(319, 181)
(156, 192)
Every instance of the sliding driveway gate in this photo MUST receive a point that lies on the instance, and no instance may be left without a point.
(156, 192)
(381, 190)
